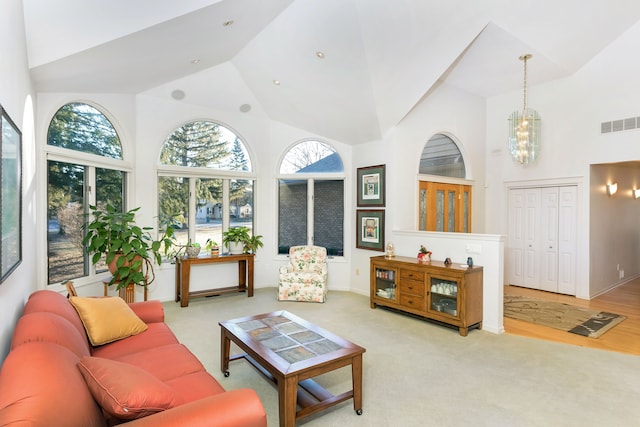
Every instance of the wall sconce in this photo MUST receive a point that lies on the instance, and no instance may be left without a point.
(636, 193)
(612, 188)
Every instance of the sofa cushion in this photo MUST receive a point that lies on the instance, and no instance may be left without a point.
(154, 360)
(107, 319)
(125, 391)
(195, 386)
(41, 326)
(156, 335)
(52, 302)
(41, 386)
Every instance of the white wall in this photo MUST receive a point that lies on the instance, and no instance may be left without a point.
(607, 88)
(447, 110)
(16, 98)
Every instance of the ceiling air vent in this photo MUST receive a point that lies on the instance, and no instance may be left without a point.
(605, 127)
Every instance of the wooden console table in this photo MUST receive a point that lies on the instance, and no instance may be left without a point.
(183, 274)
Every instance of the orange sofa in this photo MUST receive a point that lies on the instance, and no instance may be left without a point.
(46, 379)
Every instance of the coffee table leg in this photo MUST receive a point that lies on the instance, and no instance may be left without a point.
(287, 400)
(225, 348)
(356, 374)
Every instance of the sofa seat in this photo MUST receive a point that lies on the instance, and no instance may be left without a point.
(42, 385)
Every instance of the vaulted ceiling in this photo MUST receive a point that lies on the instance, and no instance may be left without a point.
(346, 69)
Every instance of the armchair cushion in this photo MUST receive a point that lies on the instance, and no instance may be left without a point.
(305, 277)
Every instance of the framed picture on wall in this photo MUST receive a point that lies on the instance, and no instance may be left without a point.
(11, 201)
(371, 183)
(370, 229)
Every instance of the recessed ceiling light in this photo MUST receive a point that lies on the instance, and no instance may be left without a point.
(320, 54)
(178, 94)
(276, 82)
(227, 23)
(195, 61)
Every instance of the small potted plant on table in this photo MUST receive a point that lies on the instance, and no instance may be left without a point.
(212, 247)
(424, 255)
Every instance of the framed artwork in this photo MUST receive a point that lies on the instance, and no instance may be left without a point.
(370, 229)
(371, 182)
(11, 201)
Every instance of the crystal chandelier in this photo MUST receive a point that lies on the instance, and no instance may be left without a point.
(524, 128)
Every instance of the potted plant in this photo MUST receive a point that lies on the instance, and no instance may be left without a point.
(424, 255)
(128, 248)
(252, 245)
(212, 246)
(235, 238)
(192, 249)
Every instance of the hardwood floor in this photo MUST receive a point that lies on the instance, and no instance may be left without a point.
(623, 300)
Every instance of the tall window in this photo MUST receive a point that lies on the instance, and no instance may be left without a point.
(311, 198)
(84, 166)
(205, 185)
(444, 204)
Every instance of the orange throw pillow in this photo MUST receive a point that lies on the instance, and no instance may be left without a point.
(125, 391)
(107, 319)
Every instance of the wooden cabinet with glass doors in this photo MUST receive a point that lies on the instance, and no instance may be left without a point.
(450, 294)
(444, 207)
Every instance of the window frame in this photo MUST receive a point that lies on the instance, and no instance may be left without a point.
(311, 178)
(91, 162)
(197, 172)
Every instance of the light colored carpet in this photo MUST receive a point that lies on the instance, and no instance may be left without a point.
(418, 373)
(565, 317)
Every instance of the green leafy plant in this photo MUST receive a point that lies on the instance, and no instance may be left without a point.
(128, 249)
(253, 244)
(240, 235)
(211, 245)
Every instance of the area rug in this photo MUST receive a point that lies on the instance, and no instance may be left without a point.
(566, 317)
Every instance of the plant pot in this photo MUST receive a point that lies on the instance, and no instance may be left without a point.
(424, 257)
(192, 251)
(236, 248)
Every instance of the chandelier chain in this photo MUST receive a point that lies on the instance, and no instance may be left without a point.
(524, 96)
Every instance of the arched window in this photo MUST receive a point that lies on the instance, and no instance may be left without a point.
(81, 127)
(311, 198)
(205, 182)
(444, 203)
(441, 156)
(84, 166)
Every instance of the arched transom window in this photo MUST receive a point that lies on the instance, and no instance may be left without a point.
(205, 182)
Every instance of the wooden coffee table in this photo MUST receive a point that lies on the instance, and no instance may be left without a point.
(290, 351)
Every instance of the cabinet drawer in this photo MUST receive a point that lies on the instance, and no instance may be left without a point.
(412, 275)
(412, 287)
(413, 301)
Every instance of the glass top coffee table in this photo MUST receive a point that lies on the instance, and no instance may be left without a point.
(291, 351)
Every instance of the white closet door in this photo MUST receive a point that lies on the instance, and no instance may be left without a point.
(542, 238)
(567, 240)
(549, 239)
(532, 238)
(515, 241)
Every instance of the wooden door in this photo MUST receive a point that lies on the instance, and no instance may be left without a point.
(444, 207)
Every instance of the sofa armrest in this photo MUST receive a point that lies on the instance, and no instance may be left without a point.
(235, 408)
(148, 311)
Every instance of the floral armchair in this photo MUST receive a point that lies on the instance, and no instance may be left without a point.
(305, 278)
